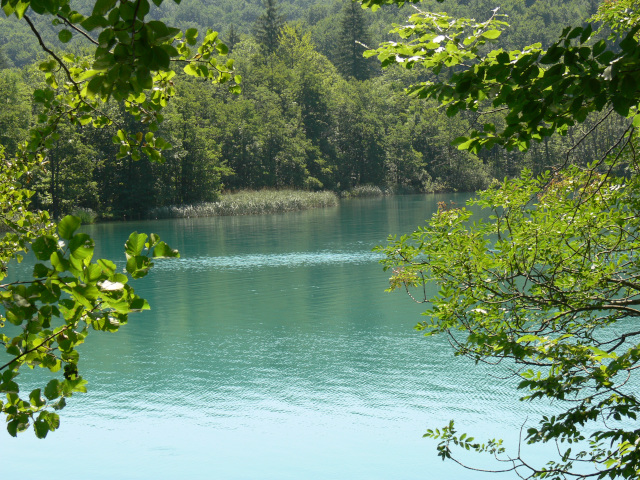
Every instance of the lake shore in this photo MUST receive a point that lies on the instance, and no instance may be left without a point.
(244, 202)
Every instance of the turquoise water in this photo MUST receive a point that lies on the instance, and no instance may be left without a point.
(271, 352)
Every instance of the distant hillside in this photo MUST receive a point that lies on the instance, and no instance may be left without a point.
(531, 20)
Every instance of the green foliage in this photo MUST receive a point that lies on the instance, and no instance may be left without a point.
(15, 116)
(290, 128)
(131, 63)
(5, 62)
(545, 277)
(68, 295)
(544, 92)
(363, 191)
(543, 281)
(620, 16)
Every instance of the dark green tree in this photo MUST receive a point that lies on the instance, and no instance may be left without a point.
(352, 41)
(267, 27)
(358, 137)
(66, 178)
(232, 37)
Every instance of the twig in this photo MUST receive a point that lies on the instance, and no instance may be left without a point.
(26, 352)
(50, 52)
(79, 30)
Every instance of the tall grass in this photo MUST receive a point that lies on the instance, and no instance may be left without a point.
(249, 202)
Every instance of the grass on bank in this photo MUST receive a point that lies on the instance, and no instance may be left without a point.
(250, 203)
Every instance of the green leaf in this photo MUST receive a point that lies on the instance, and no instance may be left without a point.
(135, 244)
(81, 246)
(86, 75)
(101, 7)
(138, 266)
(107, 266)
(592, 86)
(19, 8)
(574, 33)
(39, 6)
(67, 226)
(12, 428)
(160, 59)
(491, 34)
(65, 36)
(41, 428)
(40, 270)
(586, 33)
(629, 44)
(599, 47)
(162, 250)
(58, 262)
(48, 66)
(553, 55)
(35, 397)
(621, 105)
(191, 36)
(43, 247)
(139, 304)
(52, 390)
(93, 22)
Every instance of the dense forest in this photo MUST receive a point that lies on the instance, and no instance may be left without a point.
(313, 112)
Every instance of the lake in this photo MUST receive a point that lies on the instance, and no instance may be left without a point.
(272, 352)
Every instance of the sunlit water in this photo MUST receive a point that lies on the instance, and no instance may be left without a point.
(271, 352)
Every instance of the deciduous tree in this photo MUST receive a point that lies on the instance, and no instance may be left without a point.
(547, 278)
(69, 293)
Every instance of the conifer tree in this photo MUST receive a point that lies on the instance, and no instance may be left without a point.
(353, 37)
(267, 27)
(232, 37)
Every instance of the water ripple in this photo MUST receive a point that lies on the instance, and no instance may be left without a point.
(253, 261)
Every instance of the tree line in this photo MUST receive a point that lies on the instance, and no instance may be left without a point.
(303, 120)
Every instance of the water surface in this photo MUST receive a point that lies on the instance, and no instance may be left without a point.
(271, 352)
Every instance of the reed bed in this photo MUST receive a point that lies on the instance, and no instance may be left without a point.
(250, 203)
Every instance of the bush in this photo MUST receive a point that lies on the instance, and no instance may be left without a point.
(362, 191)
(86, 215)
